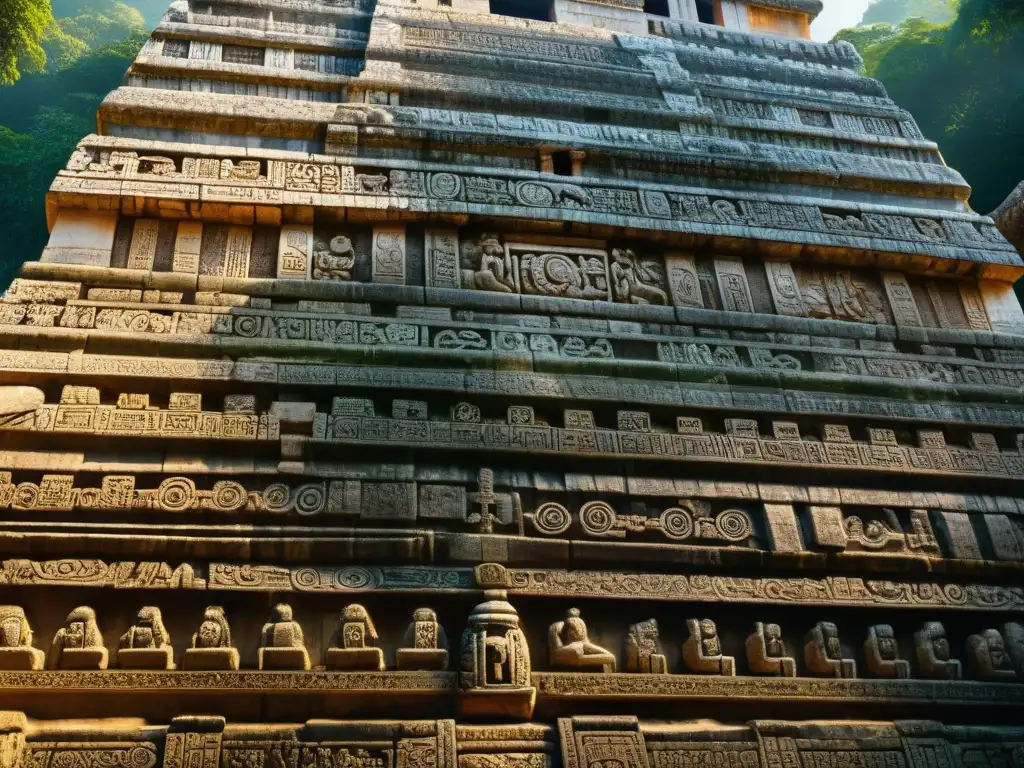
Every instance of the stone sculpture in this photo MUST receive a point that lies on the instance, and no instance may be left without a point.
(643, 649)
(16, 651)
(282, 644)
(766, 652)
(635, 281)
(211, 645)
(336, 261)
(823, 652)
(495, 661)
(356, 633)
(569, 645)
(146, 644)
(883, 654)
(989, 658)
(933, 653)
(425, 645)
(702, 650)
(78, 644)
(485, 266)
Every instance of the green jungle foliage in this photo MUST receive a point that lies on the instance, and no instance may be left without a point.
(84, 54)
(964, 83)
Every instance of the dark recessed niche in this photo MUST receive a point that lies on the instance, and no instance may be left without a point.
(706, 11)
(537, 10)
(657, 8)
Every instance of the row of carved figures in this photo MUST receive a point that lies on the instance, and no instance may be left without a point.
(993, 655)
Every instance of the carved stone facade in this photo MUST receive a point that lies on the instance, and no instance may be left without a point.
(410, 385)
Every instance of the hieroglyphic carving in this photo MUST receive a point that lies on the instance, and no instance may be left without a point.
(389, 255)
(784, 288)
(143, 245)
(441, 254)
(78, 644)
(354, 634)
(187, 247)
(97, 573)
(294, 252)
(829, 591)
(901, 299)
(90, 754)
(732, 285)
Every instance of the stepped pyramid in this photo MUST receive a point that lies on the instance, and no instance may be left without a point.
(510, 384)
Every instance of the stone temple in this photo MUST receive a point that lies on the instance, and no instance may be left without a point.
(510, 384)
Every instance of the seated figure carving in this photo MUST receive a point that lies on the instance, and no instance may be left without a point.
(146, 644)
(883, 654)
(643, 649)
(354, 634)
(78, 644)
(1013, 633)
(766, 652)
(211, 645)
(569, 644)
(282, 644)
(988, 656)
(425, 645)
(823, 652)
(485, 266)
(702, 650)
(16, 651)
(933, 655)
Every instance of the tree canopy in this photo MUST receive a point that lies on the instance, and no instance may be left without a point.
(964, 83)
(23, 26)
(895, 11)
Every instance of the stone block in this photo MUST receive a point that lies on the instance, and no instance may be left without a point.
(421, 659)
(82, 237)
(1007, 537)
(961, 540)
(1002, 306)
(389, 255)
(295, 252)
(783, 528)
(295, 418)
(83, 658)
(441, 256)
(209, 659)
(282, 659)
(354, 659)
(145, 658)
(187, 247)
(21, 659)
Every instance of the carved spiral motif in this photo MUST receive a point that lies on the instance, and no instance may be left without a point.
(677, 523)
(140, 757)
(445, 186)
(532, 193)
(551, 519)
(277, 497)
(597, 518)
(306, 578)
(176, 494)
(227, 496)
(89, 497)
(26, 495)
(310, 499)
(353, 577)
(510, 341)
(733, 525)
(554, 273)
(247, 326)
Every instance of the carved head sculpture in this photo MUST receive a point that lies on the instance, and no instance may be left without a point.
(709, 638)
(14, 628)
(830, 635)
(341, 245)
(214, 632)
(935, 633)
(356, 627)
(82, 631)
(886, 638)
(996, 648)
(773, 644)
(575, 630)
(282, 612)
(150, 628)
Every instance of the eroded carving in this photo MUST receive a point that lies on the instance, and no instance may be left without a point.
(282, 644)
(79, 643)
(146, 644)
(823, 652)
(766, 652)
(569, 645)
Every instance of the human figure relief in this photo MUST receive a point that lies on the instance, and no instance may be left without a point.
(485, 265)
(636, 281)
(569, 644)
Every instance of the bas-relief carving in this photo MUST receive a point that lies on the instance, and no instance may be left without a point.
(389, 255)
(733, 287)
(644, 653)
(333, 259)
(425, 644)
(495, 662)
(441, 254)
(988, 657)
(637, 280)
(355, 635)
(683, 280)
(702, 651)
(933, 653)
(882, 653)
(294, 252)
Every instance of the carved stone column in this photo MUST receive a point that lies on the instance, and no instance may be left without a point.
(12, 738)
